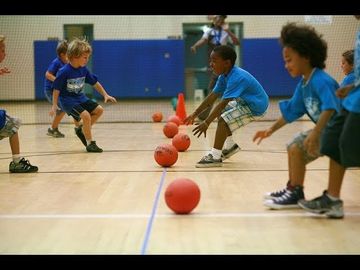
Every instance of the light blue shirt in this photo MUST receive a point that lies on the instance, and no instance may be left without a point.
(311, 98)
(239, 83)
(352, 100)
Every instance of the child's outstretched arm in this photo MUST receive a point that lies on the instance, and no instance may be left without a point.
(208, 101)
(262, 134)
(342, 92)
(102, 92)
(216, 112)
(54, 106)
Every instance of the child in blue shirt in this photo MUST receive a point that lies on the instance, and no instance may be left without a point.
(50, 76)
(243, 100)
(68, 89)
(304, 53)
(340, 142)
(9, 127)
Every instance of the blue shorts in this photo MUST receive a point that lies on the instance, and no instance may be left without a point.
(89, 106)
(341, 139)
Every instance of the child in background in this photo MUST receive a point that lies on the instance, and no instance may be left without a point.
(9, 127)
(243, 100)
(50, 75)
(304, 53)
(68, 89)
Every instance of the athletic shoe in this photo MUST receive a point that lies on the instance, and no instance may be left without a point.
(23, 166)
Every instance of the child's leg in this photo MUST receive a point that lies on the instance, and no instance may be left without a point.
(57, 119)
(222, 132)
(86, 118)
(296, 166)
(95, 114)
(336, 176)
(14, 144)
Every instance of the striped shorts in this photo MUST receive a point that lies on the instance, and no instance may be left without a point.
(11, 126)
(237, 114)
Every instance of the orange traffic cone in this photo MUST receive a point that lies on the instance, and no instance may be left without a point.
(180, 108)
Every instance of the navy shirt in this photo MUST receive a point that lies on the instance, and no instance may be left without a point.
(55, 65)
(70, 82)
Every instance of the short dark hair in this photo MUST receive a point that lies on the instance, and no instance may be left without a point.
(226, 52)
(349, 56)
(306, 42)
(62, 47)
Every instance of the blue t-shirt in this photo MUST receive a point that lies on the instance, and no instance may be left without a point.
(55, 65)
(313, 97)
(349, 79)
(352, 100)
(241, 84)
(2, 118)
(70, 82)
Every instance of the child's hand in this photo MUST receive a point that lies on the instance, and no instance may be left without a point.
(343, 91)
(189, 120)
(201, 128)
(53, 110)
(312, 143)
(225, 26)
(109, 98)
(4, 70)
(262, 134)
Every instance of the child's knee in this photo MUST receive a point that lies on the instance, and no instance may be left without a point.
(99, 110)
(294, 149)
(85, 116)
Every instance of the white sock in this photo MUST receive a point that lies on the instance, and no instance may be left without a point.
(88, 142)
(16, 158)
(229, 142)
(216, 153)
(332, 197)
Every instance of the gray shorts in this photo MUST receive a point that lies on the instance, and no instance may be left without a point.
(11, 126)
(298, 140)
(237, 113)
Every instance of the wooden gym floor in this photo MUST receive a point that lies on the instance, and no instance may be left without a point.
(113, 202)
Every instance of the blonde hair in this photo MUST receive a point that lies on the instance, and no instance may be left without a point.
(78, 47)
(2, 39)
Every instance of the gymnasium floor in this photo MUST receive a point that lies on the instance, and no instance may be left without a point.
(113, 202)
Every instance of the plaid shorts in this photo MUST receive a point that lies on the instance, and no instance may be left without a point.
(298, 140)
(11, 126)
(237, 113)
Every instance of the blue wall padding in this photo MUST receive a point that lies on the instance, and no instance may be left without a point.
(140, 68)
(262, 57)
(126, 68)
(44, 53)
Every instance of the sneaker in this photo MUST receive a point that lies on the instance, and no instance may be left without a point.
(324, 205)
(80, 134)
(226, 153)
(92, 147)
(23, 166)
(55, 133)
(276, 194)
(288, 200)
(208, 161)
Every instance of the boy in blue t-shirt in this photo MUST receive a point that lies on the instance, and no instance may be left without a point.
(50, 76)
(9, 127)
(340, 142)
(68, 89)
(304, 53)
(243, 100)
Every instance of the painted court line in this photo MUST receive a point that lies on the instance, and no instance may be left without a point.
(153, 213)
(170, 215)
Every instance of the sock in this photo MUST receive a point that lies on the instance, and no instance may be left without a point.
(216, 153)
(16, 158)
(88, 141)
(332, 197)
(229, 142)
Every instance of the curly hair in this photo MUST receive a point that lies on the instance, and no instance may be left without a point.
(306, 42)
